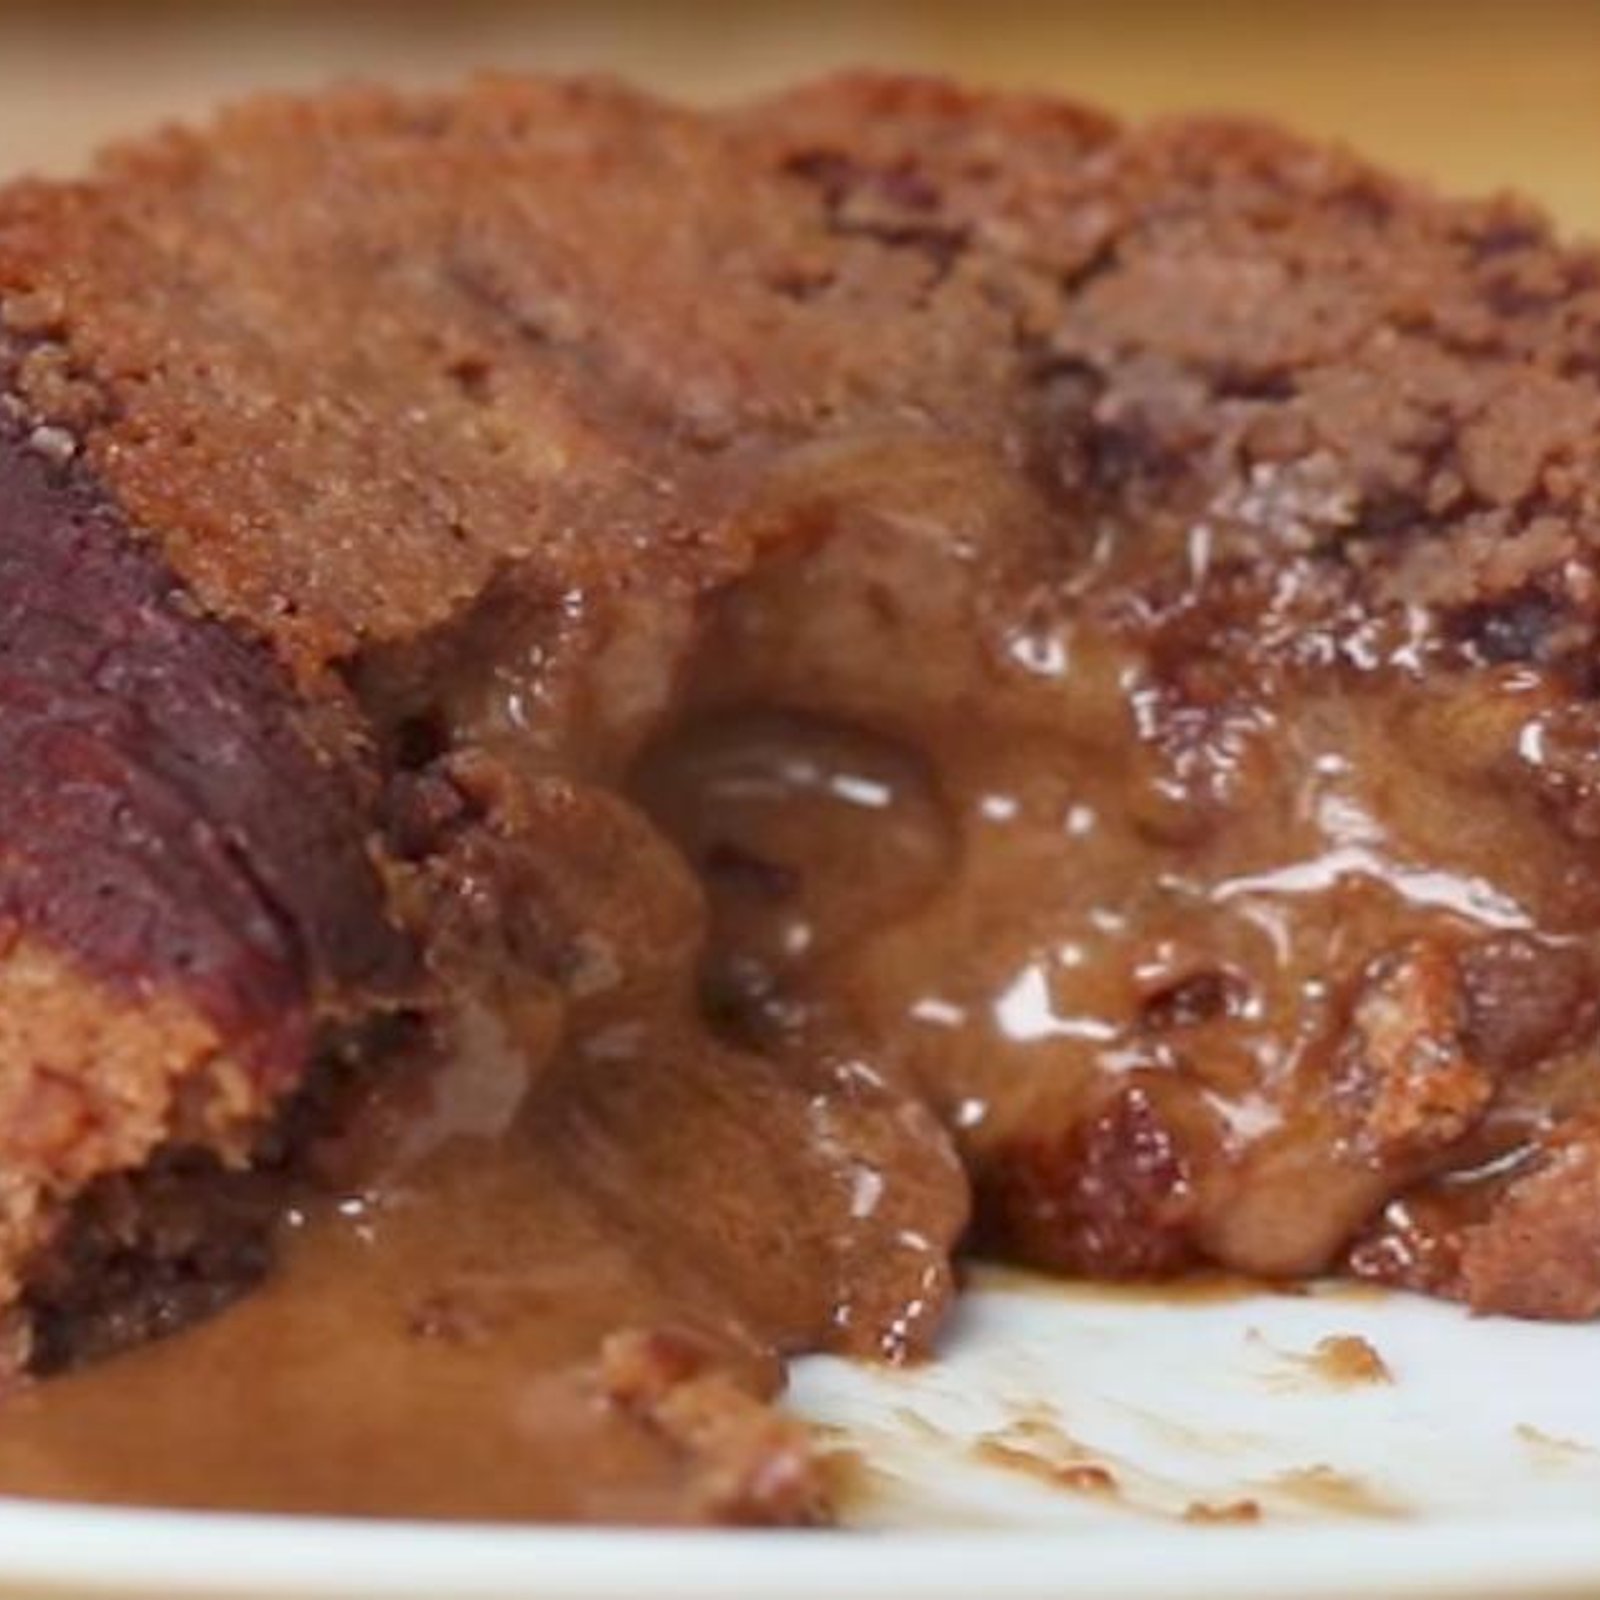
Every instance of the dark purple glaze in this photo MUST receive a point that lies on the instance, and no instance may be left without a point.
(161, 816)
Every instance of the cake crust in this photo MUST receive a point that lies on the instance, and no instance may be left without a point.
(186, 898)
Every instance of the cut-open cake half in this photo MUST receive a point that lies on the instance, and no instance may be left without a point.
(613, 719)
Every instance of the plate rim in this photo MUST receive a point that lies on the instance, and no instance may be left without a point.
(95, 1551)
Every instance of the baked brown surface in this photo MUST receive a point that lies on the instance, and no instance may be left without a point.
(1105, 614)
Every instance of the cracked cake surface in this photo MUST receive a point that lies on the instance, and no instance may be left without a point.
(622, 724)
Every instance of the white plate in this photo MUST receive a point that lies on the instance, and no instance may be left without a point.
(1473, 1471)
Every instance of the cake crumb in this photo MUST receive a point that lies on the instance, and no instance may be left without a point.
(1346, 1359)
(1340, 1360)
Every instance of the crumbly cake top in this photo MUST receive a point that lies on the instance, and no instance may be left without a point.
(345, 359)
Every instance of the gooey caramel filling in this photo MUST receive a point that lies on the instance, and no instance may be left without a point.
(1216, 935)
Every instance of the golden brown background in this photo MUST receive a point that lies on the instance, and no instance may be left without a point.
(1475, 94)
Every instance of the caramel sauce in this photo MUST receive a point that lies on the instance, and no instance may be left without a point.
(441, 1341)
(1077, 1477)
(1322, 1489)
(1550, 1449)
(1199, 1288)
(1224, 1513)
(391, 1366)
(1228, 935)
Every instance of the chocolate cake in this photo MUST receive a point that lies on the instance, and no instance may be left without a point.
(620, 724)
